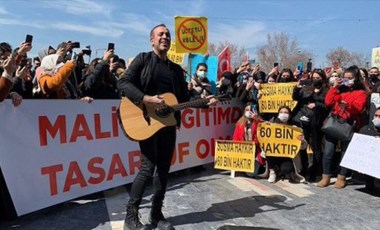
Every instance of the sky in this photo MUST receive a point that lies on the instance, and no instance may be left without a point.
(318, 26)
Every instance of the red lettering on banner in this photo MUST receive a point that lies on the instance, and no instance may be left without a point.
(133, 163)
(223, 115)
(81, 128)
(182, 150)
(91, 166)
(202, 117)
(202, 144)
(80, 121)
(98, 128)
(206, 113)
(46, 127)
(115, 122)
(116, 167)
(52, 172)
(96, 169)
(74, 176)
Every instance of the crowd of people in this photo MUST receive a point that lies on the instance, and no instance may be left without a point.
(343, 92)
(62, 73)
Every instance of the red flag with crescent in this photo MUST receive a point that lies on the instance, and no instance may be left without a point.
(224, 61)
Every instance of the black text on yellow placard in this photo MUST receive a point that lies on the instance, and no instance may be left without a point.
(279, 140)
(235, 156)
(276, 95)
(191, 34)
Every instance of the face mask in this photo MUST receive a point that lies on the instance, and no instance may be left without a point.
(247, 114)
(226, 82)
(317, 84)
(350, 83)
(284, 117)
(373, 76)
(332, 80)
(201, 74)
(376, 122)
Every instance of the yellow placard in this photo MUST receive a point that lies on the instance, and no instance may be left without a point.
(278, 140)
(376, 57)
(235, 156)
(191, 34)
(276, 95)
(174, 56)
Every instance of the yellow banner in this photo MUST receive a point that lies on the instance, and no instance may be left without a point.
(376, 57)
(235, 156)
(276, 95)
(174, 56)
(191, 34)
(278, 140)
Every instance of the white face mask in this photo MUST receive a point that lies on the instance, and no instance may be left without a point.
(201, 74)
(376, 122)
(348, 83)
(284, 117)
(332, 80)
(247, 114)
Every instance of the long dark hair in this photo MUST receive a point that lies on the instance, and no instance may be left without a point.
(355, 71)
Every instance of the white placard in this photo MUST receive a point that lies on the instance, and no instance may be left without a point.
(363, 155)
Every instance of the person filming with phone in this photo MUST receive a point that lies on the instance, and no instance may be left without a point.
(347, 99)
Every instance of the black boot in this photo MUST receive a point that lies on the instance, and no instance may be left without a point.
(157, 219)
(132, 220)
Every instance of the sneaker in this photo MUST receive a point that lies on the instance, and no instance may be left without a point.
(272, 176)
(294, 177)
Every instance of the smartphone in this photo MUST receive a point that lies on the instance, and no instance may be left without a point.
(309, 66)
(111, 46)
(254, 108)
(275, 64)
(87, 52)
(252, 62)
(29, 38)
(306, 82)
(300, 66)
(75, 45)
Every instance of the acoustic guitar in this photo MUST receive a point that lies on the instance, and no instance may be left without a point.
(141, 121)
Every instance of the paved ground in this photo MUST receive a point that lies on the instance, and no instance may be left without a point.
(211, 199)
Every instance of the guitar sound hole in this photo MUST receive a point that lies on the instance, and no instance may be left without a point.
(163, 112)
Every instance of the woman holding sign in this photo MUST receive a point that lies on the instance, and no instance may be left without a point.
(347, 100)
(283, 165)
(246, 130)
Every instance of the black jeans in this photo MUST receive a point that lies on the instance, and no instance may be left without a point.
(157, 153)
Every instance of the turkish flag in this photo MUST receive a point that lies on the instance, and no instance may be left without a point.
(224, 61)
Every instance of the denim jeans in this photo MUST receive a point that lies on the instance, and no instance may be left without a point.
(157, 153)
(329, 151)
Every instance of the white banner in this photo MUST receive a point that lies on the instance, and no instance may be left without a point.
(362, 155)
(56, 150)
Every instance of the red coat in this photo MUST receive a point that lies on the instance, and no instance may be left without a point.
(356, 100)
(239, 135)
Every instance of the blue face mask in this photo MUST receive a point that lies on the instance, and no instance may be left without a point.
(201, 74)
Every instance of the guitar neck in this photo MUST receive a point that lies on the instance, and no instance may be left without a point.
(190, 104)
